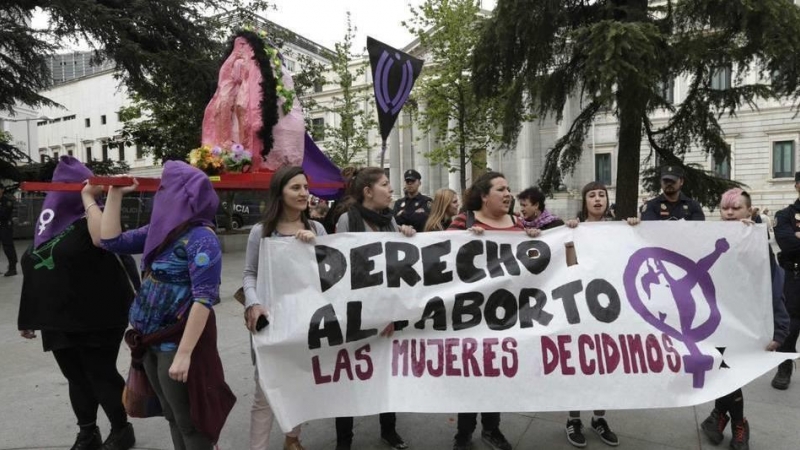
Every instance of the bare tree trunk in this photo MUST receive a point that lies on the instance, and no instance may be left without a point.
(631, 111)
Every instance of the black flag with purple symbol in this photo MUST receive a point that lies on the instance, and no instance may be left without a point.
(393, 74)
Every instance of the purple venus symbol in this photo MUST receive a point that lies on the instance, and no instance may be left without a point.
(652, 260)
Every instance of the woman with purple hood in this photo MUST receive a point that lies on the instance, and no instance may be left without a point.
(174, 329)
(78, 295)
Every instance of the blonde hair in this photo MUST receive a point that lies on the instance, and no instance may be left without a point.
(441, 202)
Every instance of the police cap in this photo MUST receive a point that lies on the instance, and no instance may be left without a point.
(412, 174)
(671, 173)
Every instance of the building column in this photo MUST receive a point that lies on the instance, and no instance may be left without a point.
(395, 166)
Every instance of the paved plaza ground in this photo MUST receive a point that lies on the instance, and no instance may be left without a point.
(35, 411)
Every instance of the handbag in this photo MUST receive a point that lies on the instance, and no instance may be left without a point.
(138, 397)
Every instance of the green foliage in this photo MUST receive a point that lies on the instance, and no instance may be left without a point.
(352, 105)
(465, 126)
(23, 58)
(10, 156)
(108, 167)
(306, 80)
(615, 55)
(166, 53)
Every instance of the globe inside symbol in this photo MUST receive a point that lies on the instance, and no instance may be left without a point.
(648, 267)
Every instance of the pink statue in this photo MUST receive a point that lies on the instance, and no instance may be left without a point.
(233, 116)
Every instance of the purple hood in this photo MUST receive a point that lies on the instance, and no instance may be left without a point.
(185, 195)
(61, 209)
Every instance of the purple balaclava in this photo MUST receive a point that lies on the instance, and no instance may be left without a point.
(61, 209)
(185, 195)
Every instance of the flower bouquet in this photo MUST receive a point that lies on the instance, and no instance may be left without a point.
(217, 160)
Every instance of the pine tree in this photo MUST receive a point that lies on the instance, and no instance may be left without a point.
(616, 55)
(165, 52)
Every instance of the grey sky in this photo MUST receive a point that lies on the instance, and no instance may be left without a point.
(324, 21)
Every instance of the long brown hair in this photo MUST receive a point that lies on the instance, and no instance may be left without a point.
(274, 209)
(441, 202)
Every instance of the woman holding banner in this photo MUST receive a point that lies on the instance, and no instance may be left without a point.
(371, 194)
(286, 216)
(444, 208)
(594, 208)
(487, 203)
(172, 315)
(736, 205)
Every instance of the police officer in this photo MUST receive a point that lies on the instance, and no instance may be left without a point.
(414, 208)
(7, 230)
(672, 204)
(787, 235)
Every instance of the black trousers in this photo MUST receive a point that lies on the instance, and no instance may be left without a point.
(791, 292)
(93, 381)
(467, 422)
(732, 403)
(7, 238)
(344, 426)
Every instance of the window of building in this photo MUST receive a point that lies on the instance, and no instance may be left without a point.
(318, 129)
(42, 158)
(105, 152)
(290, 65)
(317, 86)
(667, 90)
(88, 154)
(722, 168)
(55, 155)
(121, 148)
(139, 152)
(721, 78)
(783, 159)
(602, 168)
(87, 122)
(103, 120)
(69, 152)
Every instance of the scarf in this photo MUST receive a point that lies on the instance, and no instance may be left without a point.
(61, 209)
(538, 222)
(185, 196)
(357, 214)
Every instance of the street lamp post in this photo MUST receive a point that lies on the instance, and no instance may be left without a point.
(27, 128)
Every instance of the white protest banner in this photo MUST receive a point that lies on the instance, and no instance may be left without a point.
(655, 315)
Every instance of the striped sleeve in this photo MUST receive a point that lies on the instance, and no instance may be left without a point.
(459, 222)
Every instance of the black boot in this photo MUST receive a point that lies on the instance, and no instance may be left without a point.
(783, 376)
(12, 270)
(122, 439)
(88, 439)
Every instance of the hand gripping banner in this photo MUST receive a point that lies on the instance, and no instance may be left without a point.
(603, 316)
(393, 76)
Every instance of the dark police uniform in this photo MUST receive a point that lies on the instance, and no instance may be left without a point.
(787, 223)
(7, 232)
(415, 210)
(660, 208)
